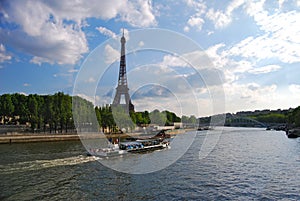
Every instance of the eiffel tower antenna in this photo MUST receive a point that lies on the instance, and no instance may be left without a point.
(122, 91)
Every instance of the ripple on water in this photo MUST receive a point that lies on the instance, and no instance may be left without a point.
(246, 164)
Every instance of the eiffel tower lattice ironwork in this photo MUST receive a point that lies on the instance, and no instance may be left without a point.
(122, 94)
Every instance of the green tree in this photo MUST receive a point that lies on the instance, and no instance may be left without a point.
(158, 118)
(122, 118)
(7, 107)
(33, 111)
(21, 107)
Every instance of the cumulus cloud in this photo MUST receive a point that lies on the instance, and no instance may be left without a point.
(219, 18)
(279, 38)
(196, 22)
(250, 96)
(222, 19)
(111, 54)
(138, 13)
(106, 32)
(3, 54)
(51, 31)
(43, 35)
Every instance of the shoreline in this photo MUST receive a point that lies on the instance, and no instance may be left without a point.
(25, 138)
(44, 137)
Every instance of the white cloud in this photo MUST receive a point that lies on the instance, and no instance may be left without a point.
(295, 88)
(141, 44)
(210, 33)
(111, 54)
(199, 6)
(265, 69)
(255, 8)
(106, 32)
(51, 31)
(171, 60)
(73, 71)
(196, 22)
(219, 18)
(40, 60)
(154, 86)
(280, 38)
(44, 36)
(250, 96)
(26, 84)
(186, 29)
(3, 54)
(138, 13)
(223, 18)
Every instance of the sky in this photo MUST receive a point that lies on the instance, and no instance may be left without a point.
(191, 57)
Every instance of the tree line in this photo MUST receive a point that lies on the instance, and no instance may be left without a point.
(290, 117)
(53, 113)
(293, 118)
(41, 112)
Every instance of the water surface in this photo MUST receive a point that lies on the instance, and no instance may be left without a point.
(246, 164)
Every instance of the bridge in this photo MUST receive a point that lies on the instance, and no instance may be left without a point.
(232, 120)
(238, 121)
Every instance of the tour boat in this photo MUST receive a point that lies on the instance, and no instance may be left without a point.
(138, 146)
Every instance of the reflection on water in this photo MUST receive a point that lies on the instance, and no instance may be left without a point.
(246, 164)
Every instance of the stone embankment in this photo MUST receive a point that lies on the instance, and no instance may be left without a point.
(41, 137)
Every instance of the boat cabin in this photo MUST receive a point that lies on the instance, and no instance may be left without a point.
(139, 144)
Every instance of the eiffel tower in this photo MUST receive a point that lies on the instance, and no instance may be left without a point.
(122, 97)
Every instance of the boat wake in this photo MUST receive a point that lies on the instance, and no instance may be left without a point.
(42, 164)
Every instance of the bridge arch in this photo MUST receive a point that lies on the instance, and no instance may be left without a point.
(243, 122)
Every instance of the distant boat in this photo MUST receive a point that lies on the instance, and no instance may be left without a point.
(203, 128)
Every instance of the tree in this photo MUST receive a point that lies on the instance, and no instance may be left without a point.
(158, 118)
(122, 118)
(193, 119)
(185, 119)
(20, 107)
(7, 107)
(48, 112)
(33, 111)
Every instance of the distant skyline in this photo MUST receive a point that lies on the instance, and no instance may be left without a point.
(254, 45)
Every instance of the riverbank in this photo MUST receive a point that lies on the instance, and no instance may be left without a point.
(41, 137)
(24, 138)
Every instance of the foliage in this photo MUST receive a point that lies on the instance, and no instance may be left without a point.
(271, 118)
(53, 113)
(294, 117)
(42, 112)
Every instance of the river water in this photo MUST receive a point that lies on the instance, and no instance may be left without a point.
(246, 164)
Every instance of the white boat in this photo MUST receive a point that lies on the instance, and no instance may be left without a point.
(138, 146)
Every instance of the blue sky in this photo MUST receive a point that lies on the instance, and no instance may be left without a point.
(253, 45)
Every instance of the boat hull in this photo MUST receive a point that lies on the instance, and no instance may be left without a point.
(118, 152)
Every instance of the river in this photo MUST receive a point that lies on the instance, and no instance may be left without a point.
(245, 164)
